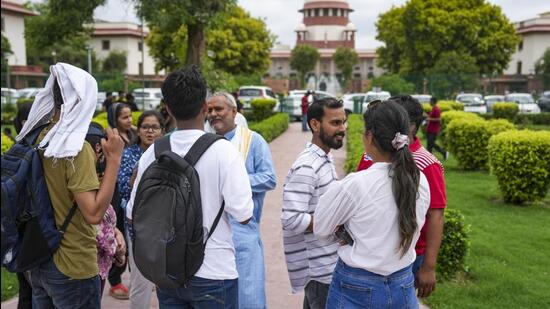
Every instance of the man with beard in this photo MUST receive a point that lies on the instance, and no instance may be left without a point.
(222, 113)
(310, 261)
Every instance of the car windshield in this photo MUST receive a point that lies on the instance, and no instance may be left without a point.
(469, 99)
(523, 99)
(250, 93)
(494, 99)
(141, 94)
(372, 97)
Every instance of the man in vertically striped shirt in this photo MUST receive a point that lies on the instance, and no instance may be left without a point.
(310, 261)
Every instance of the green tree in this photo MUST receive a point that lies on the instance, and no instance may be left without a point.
(167, 48)
(345, 58)
(542, 67)
(453, 72)
(6, 49)
(240, 43)
(417, 34)
(115, 62)
(392, 83)
(303, 59)
(170, 15)
(58, 21)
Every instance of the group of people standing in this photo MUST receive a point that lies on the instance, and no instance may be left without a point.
(364, 241)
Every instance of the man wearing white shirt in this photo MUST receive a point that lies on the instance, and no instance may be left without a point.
(223, 177)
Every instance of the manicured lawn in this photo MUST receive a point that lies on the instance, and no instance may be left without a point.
(509, 260)
(9, 284)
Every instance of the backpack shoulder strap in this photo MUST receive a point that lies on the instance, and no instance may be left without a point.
(32, 136)
(68, 219)
(216, 221)
(161, 145)
(200, 146)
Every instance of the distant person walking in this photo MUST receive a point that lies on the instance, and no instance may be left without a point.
(434, 127)
(305, 104)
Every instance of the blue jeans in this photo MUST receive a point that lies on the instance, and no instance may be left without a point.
(417, 264)
(358, 288)
(52, 289)
(304, 123)
(201, 293)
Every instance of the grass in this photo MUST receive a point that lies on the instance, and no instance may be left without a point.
(9, 285)
(509, 263)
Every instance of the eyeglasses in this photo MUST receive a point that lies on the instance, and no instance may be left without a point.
(153, 128)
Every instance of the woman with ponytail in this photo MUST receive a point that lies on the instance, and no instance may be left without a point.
(377, 213)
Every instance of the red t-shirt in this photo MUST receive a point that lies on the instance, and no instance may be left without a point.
(433, 170)
(434, 126)
(305, 105)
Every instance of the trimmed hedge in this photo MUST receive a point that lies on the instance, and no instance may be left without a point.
(521, 162)
(271, 127)
(506, 110)
(454, 245)
(262, 108)
(6, 143)
(444, 106)
(540, 119)
(467, 139)
(354, 144)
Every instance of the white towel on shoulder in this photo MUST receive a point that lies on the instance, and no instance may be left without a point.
(79, 91)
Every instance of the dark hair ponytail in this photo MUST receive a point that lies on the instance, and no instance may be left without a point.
(385, 120)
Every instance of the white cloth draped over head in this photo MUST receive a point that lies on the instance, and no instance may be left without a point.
(79, 91)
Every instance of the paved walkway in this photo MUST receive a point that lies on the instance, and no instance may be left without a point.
(284, 150)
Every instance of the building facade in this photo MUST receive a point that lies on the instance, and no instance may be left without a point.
(125, 37)
(13, 28)
(326, 25)
(520, 76)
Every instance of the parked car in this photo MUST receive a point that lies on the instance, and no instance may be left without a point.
(147, 98)
(422, 98)
(248, 93)
(349, 100)
(525, 101)
(293, 102)
(28, 93)
(101, 96)
(544, 102)
(375, 95)
(473, 102)
(9, 95)
(490, 100)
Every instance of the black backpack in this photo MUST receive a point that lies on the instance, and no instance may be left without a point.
(168, 242)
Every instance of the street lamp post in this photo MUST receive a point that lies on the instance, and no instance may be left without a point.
(89, 49)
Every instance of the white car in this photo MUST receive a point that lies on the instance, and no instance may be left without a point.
(293, 102)
(473, 102)
(28, 92)
(422, 98)
(375, 95)
(525, 101)
(490, 100)
(9, 95)
(248, 93)
(349, 101)
(101, 96)
(147, 98)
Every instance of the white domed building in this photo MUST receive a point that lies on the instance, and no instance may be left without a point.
(326, 25)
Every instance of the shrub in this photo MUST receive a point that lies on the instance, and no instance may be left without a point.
(505, 110)
(467, 140)
(521, 162)
(6, 143)
(262, 108)
(540, 119)
(444, 106)
(271, 127)
(449, 116)
(354, 145)
(7, 117)
(496, 126)
(454, 245)
(135, 116)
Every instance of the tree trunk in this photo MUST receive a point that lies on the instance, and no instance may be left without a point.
(195, 43)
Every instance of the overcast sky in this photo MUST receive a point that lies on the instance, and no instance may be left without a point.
(282, 16)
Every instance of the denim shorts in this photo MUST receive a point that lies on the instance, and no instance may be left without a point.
(359, 288)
